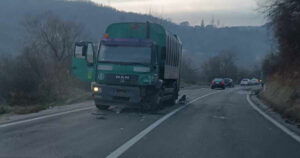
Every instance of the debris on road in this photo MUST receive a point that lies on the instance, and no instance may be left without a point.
(220, 117)
(100, 114)
(116, 109)
(183, 100)
(97, 112)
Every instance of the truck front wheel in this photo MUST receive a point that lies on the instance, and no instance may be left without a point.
(172, 101)
(152, 102)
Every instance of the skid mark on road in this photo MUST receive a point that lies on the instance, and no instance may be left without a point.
(277, 124)
(123, 148)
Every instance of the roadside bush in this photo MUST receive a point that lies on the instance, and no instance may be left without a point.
(41, 72)
(4, 109)
(271, 64)
(282, 69)
(285, 19)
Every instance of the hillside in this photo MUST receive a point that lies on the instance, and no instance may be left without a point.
(250, 43)
(282, 68)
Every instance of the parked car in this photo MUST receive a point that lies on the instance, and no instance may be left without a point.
(228, 82)
(218, 83)
(245, 82)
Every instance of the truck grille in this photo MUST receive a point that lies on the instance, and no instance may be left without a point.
(121, 79)
(121, 98)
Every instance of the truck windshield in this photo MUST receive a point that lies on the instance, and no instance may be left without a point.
(125, 54)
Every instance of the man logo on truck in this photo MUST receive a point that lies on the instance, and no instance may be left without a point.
(141, 60)
(122, 78)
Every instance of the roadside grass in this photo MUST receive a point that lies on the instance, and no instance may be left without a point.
(28, 109)
(75, 96)
(4, 109)
(284, 98)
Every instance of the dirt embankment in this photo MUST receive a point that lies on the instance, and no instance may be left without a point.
(283, 96)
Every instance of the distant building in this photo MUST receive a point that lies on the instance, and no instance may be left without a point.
(185, 23)
(197, 27)
(210, 26)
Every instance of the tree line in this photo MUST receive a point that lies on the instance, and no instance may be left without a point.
(251, 43)
(222, 65)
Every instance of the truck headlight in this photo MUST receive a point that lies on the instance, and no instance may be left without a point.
(97, 89)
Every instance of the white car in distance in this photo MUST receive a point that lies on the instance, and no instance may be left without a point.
(245, 82)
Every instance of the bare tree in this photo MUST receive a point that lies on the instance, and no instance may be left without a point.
(41, 72)
(222, 65)
(189, 73)
(52, 35)
(49, 51)
(285, 19)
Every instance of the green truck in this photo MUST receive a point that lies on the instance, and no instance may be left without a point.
(137, 64)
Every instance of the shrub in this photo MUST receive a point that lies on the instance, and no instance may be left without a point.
(40, 73)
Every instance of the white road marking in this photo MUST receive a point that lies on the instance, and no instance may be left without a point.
(123, 148)
(43, 117)
(277, 124)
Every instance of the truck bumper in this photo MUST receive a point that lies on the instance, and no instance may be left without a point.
(118, 95)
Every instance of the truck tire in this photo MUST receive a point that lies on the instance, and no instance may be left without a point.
(172, 101)
(152, 102)
(102, 107)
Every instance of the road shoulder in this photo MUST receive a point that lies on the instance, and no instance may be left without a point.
(9, 118)
(274, 117)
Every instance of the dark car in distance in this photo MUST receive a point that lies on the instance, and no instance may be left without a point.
(217, 83)
(228, 82)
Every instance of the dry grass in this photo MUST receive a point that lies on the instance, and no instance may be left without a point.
(4, 109)
(28, 109)
(284, 97)
(75, 95)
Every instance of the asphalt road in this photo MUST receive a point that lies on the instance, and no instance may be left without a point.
(220, 124)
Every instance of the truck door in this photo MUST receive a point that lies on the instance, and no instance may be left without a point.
(83, 61)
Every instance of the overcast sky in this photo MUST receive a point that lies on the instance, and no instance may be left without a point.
(228, 12)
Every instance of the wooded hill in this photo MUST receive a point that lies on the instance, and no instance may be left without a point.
(249, 43)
